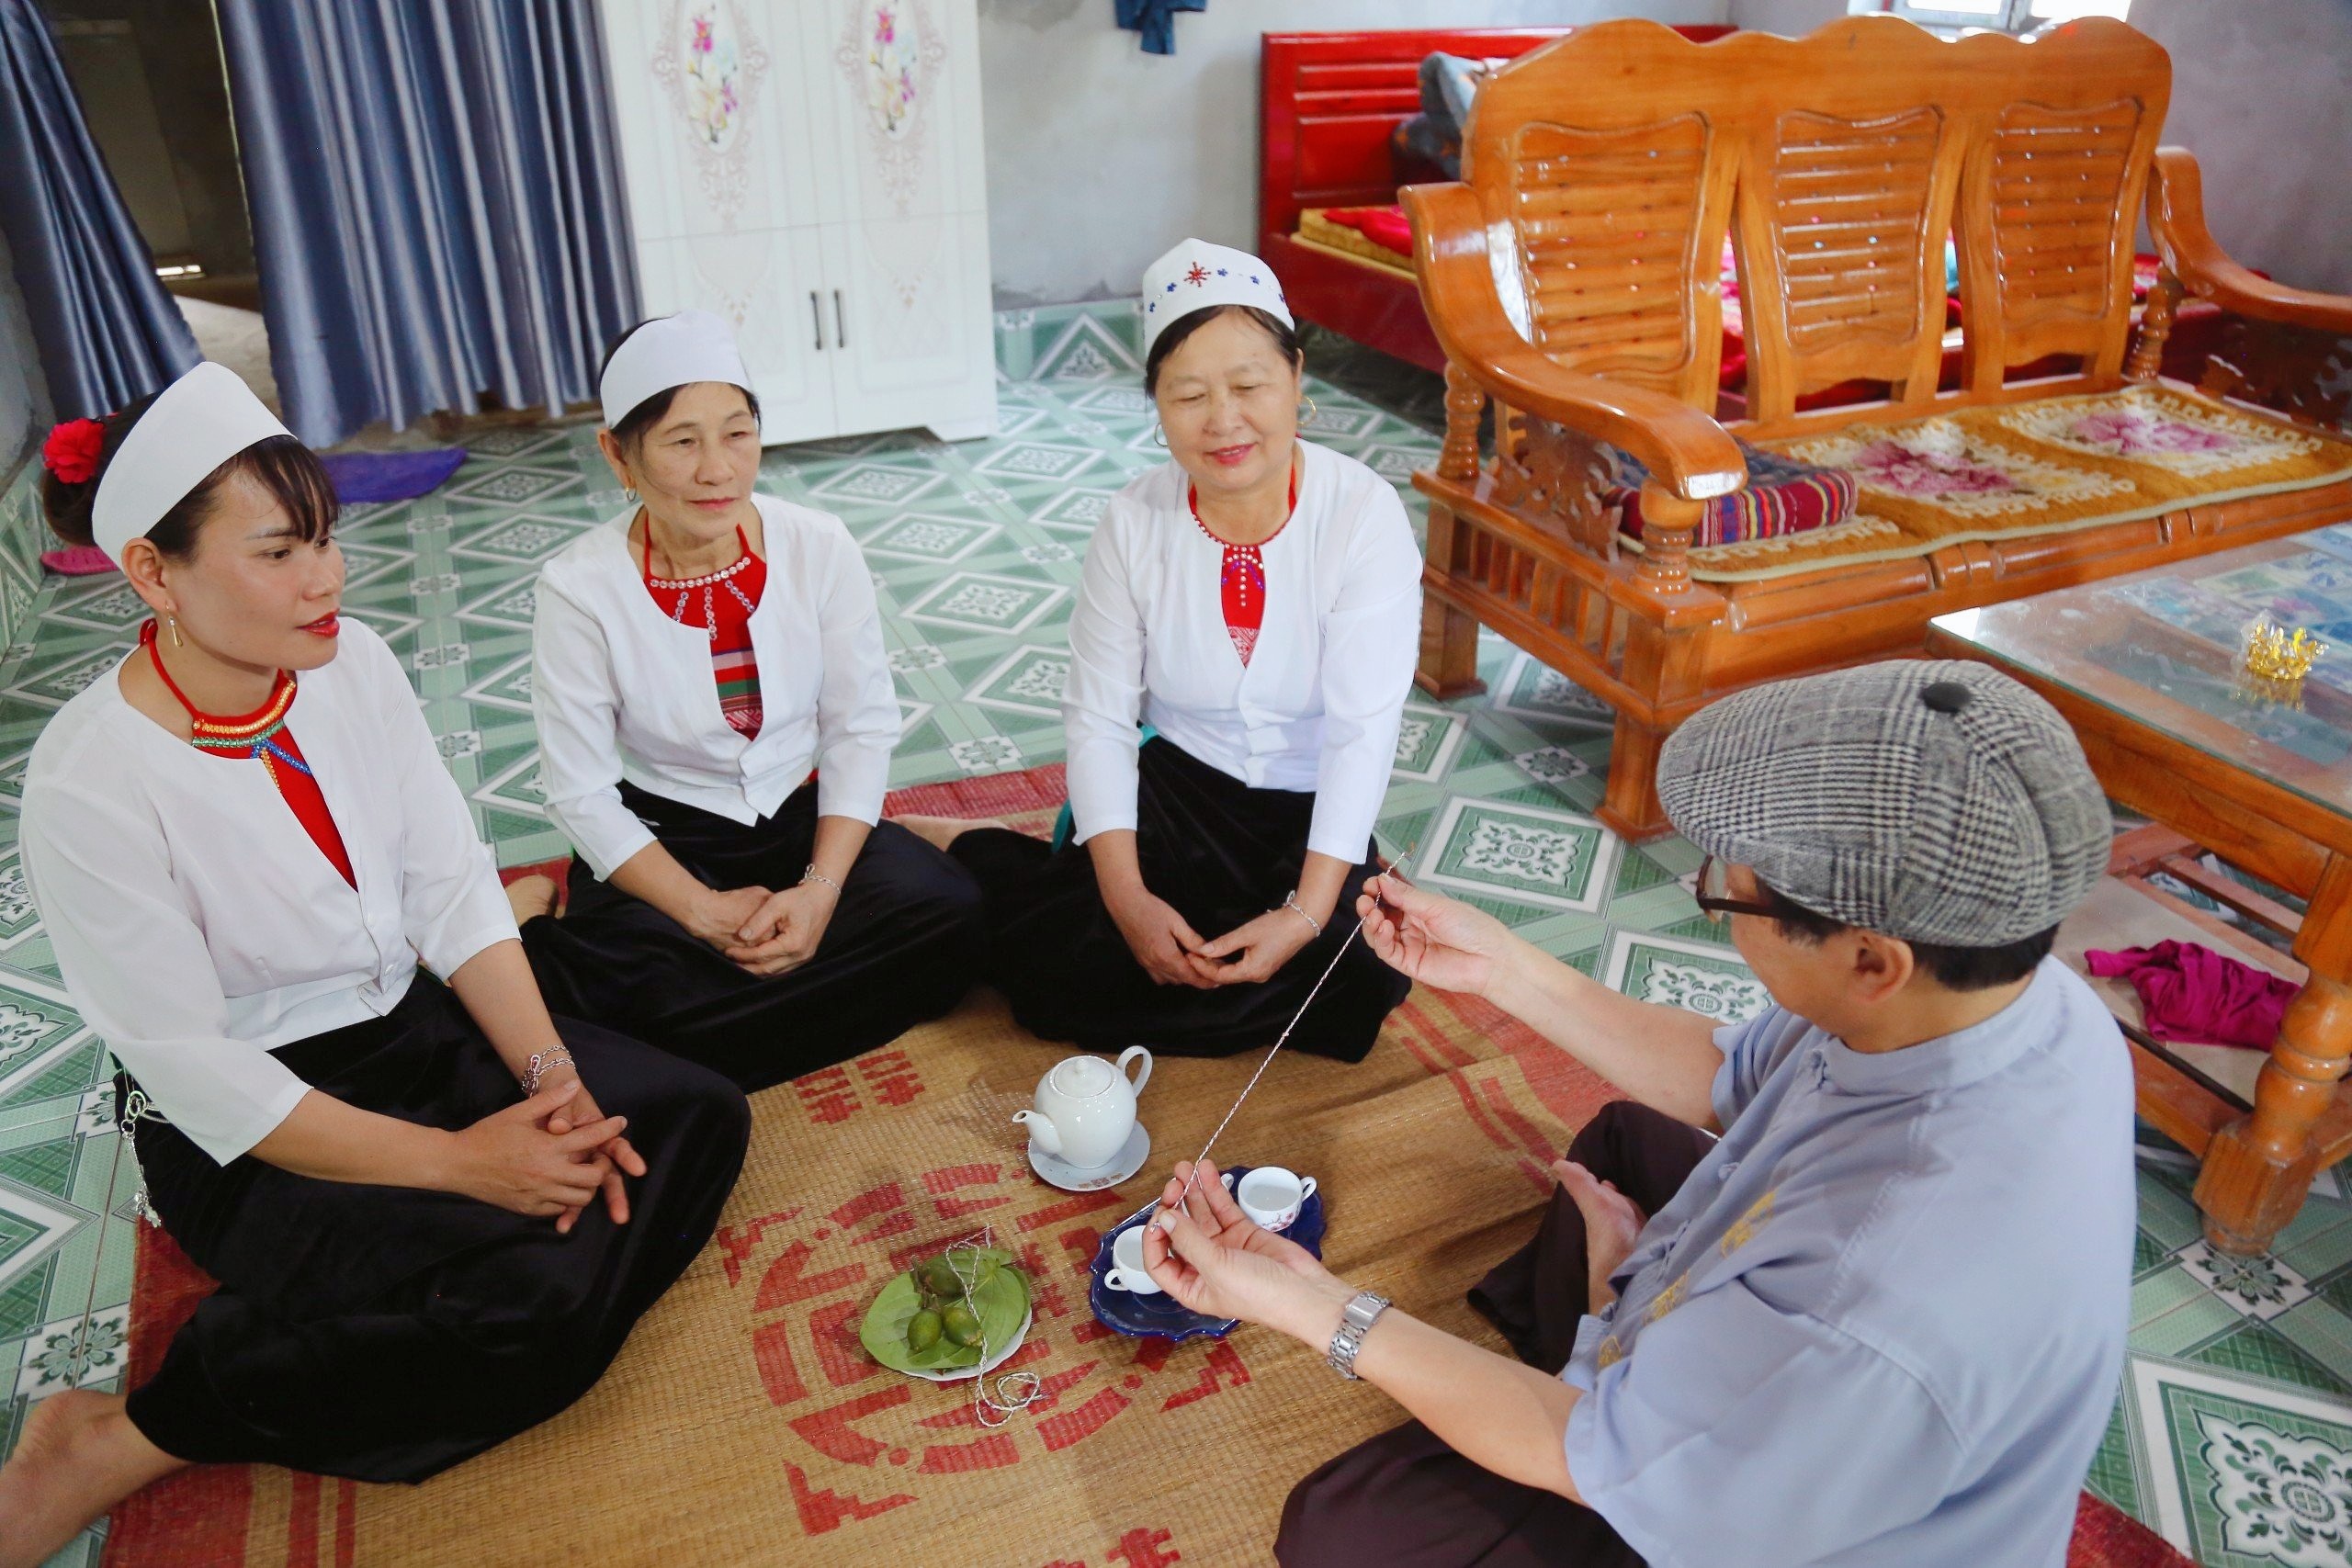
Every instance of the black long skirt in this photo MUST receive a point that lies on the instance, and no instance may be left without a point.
(1222, 853)
(1404, 1499)
(903, 946)
(387, 1333)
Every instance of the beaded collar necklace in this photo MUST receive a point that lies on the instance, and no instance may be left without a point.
(1248, 552)
(709, 582)
(1241, 574)
(255, 734)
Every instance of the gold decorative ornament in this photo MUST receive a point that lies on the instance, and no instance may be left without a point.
(2276, 653)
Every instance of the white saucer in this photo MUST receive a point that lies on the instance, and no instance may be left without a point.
(1059, 1172)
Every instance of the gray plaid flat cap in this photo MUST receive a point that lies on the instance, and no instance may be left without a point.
(1937, 802)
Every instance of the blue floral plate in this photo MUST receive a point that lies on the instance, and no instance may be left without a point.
(1160, 1316)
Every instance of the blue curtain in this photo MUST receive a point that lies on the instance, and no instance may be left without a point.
(436, 203)
(106, 331)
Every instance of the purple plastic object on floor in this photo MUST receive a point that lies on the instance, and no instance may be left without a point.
(391, 475)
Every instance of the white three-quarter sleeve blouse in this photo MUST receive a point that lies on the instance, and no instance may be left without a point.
(621, 691)
(196, 923)
(1318, 705)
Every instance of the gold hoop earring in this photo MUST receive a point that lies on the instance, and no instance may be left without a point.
(628, 494)
(172, 625)
(1308, 417)
(1158, 436)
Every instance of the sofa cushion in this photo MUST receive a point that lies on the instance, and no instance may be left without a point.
(2046, 466)
(1781, 496)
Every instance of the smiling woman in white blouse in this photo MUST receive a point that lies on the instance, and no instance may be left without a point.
(1255, 602)
(429, 1236)
(716, 720)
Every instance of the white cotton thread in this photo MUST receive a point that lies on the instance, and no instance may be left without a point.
(1198, 1160)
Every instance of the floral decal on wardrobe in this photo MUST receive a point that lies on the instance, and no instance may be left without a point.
(891, 54)
(710, 65)
(890, 89)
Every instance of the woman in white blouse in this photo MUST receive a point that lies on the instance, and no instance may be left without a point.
(694, 661)
(429, 1233)
(1255, 602)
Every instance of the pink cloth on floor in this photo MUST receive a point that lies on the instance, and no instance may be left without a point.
(2191, 993)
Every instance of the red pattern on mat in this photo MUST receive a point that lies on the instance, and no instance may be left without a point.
(199, 1518)
(2107, 1537)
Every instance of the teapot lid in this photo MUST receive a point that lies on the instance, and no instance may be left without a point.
(1082, 1075)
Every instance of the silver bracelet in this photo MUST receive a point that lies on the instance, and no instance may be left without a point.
(539, 1064)
(813, 874)
(1290, 902)
(1355, 1323)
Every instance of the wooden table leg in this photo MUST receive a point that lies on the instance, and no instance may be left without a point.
(2259, 1167)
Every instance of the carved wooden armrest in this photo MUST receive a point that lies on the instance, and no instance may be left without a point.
(2176, 220)
(1691, 459)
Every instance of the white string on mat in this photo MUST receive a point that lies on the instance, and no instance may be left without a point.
(1014, 1391)
(1185, 1197)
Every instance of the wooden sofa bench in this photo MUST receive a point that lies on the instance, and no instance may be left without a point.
(1571, 278)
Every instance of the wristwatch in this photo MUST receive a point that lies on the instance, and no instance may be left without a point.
(1355, 1323)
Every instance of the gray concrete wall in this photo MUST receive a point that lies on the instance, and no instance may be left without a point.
(1101, 156)
(2261, 93)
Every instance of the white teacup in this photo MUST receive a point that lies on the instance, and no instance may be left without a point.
(1127, 1271)
(1272, 1198)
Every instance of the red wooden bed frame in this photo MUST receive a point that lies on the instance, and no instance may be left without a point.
(1328, 102)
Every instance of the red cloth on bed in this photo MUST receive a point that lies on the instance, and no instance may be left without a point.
(1386, 227)
(2190, 992)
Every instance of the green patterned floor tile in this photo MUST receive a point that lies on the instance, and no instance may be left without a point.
(2242, 1474)
(2169, 1291)
(2112, 1475)
(2260, 1350)
(2318, 1242)
(2321, 1328)
(2165, 1211)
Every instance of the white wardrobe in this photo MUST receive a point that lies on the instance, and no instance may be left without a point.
(810, 171)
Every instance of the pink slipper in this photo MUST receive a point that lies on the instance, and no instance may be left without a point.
(77, 560)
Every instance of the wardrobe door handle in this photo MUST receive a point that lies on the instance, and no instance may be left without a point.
(817, 314)
(840, 327)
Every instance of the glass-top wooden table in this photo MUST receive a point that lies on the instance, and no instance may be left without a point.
(2145, 668)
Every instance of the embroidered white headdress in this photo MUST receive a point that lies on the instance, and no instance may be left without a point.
(197, 424)
(669, 351)
(1196, 274)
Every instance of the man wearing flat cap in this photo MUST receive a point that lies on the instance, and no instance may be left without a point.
(1845, 1284)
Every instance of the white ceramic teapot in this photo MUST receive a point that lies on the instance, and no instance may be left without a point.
(1085, 1108)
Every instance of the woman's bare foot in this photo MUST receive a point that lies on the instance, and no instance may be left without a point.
(941, 831)
(531, 896)
(80, 1455)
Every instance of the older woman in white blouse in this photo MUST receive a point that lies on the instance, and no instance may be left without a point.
(1254, 603)
(716, 722)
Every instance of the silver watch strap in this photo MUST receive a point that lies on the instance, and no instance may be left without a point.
(1355, 1323)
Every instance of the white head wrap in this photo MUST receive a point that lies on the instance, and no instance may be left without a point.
(1196, 274)
(197, 424)
(669, 351)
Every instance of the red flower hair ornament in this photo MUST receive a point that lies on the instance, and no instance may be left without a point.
(72, 450)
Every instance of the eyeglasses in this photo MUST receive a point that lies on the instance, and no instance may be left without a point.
(1715, 895)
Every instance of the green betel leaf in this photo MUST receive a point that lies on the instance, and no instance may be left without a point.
(1001, 1302)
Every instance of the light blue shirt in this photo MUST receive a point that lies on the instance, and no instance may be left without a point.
(1883, 1321)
